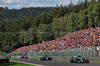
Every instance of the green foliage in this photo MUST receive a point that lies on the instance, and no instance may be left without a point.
(55, 28)
(44, 32)
(22, 13)
(8, 41)
(72, 22)
(22, 37)
(82, 20)
(59, 26)
(92, 2)
(93, 14)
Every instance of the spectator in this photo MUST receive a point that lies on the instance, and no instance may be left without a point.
(87, 37)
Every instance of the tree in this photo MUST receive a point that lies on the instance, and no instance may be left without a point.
(82, 20)
(65, 21)
(92, 2)
(27, 37)
(71, 24)
(71, 4)
(22, 37)
(31, 36)
(55, 28)
(44, 32)
(96, 13)
(44, 18)
(96, 19)
(98, 0)
(8, 41)
(90, 16)
(93, 14)
(61, 26)
(61, 11)
(36, 21)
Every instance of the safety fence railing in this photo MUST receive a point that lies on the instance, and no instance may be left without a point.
(86, 52)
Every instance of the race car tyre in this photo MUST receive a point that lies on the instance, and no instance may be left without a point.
(41, 58)
(75, 61)
(50, 58)
(71, 61)
(87, 61)
(26, 57)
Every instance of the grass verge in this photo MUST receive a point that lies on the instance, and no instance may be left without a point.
(13, 63)
(94, 61)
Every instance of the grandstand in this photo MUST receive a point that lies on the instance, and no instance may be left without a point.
(79, 39)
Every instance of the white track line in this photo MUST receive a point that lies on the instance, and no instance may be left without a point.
(27, 63)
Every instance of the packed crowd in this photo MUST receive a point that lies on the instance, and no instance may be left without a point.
(87, 37)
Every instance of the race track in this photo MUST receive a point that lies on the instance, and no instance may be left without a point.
(56, 63)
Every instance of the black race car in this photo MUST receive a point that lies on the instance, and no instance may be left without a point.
(46, 58)
(76, 59)
(24, 57)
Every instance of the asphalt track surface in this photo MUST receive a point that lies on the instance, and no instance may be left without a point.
(56, 62)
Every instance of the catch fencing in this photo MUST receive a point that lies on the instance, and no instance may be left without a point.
(85, 52)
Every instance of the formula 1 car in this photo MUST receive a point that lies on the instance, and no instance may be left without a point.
(24, 57)
(79, 59)
(46, 58)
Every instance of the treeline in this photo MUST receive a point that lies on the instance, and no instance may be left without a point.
(61, 20)
(22, 13)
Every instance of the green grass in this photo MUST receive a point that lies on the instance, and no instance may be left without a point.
(12, 63)
(95, 61)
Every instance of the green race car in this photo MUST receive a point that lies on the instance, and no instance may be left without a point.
(76, 59)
